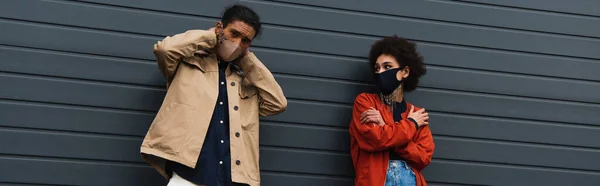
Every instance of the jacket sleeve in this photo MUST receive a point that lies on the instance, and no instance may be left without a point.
(271, 98)
(418, 152)
(171, 50)
(372, 137)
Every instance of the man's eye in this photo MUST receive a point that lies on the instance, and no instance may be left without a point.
(235, 34)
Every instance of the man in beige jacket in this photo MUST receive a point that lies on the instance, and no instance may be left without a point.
(206, 131)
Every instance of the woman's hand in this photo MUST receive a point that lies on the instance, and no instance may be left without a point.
(420, 116)
(372, 116)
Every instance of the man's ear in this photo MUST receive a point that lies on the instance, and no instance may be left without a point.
(219, 27)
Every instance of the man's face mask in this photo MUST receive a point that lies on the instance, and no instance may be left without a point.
(228, 50)
(387, 81)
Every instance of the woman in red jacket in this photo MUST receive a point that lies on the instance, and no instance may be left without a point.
(390, 138)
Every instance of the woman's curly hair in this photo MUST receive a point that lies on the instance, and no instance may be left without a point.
(405, 52)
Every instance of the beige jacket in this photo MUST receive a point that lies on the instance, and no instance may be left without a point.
(177, 133)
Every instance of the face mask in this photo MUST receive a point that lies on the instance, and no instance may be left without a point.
(228, 50)
(387, 82)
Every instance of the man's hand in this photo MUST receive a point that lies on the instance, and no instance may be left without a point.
(372, 116)
(420, 116)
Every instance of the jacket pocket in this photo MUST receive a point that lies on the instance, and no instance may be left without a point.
(169, 131)
(252, 155)
(247, 90)
(254, 171)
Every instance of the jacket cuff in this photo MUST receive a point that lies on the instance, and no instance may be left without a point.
(415, 122)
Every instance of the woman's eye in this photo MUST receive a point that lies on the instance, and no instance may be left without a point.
(388, 67)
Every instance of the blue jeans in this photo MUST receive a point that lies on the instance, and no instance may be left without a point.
(400, 174)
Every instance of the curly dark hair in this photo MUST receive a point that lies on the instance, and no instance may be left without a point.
(405, 52)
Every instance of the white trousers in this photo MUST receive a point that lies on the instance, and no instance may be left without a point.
(176, 180)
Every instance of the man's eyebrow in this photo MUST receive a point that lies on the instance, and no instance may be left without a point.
(240, 33)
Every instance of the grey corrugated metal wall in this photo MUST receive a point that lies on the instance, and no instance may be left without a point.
(513, 87)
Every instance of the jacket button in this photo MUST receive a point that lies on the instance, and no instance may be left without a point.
(238, 162)
(237, 134)
(235, 108)
(232, 83)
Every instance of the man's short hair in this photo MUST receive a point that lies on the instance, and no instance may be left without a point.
(244, 14)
